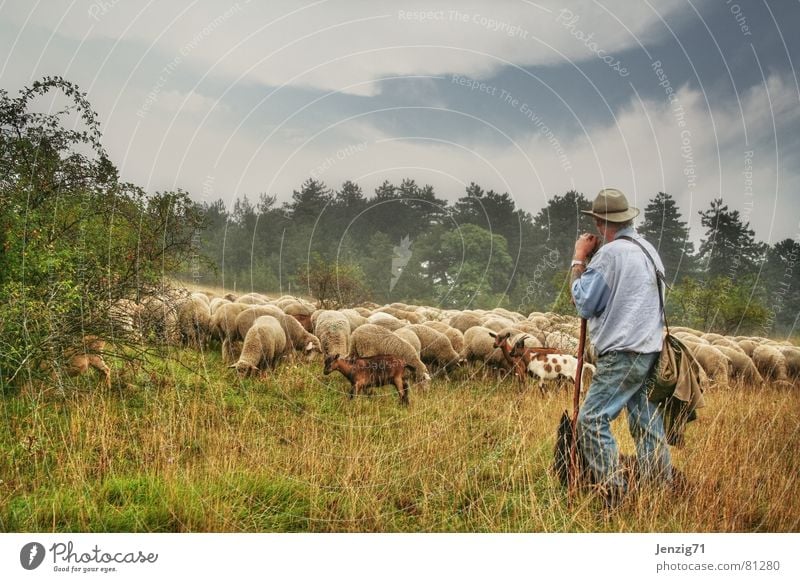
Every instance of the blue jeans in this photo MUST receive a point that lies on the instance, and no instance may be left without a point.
(620, 383)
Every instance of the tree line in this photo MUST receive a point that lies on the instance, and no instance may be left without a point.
(404, 243)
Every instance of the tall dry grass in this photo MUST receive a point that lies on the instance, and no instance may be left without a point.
(190, 447)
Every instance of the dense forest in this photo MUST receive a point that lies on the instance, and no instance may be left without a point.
(403, 243)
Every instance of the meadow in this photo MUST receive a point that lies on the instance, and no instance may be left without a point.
(183, 445)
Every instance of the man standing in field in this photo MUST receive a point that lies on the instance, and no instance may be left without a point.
(617, 294)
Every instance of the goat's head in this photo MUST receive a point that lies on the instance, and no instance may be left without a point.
(519, 346)
(499, 338)
(330, 364)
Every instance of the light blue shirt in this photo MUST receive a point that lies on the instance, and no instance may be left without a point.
(618, 296)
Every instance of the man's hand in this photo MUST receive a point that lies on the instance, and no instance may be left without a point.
(585, 246)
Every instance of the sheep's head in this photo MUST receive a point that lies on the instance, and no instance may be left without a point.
(244, 369)
(330, 362)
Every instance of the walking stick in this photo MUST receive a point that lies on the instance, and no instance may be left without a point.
(576, 402)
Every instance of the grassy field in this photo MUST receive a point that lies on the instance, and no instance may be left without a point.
(187, 446)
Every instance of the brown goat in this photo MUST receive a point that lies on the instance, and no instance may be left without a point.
(88, 355)
(519, 356)
(371, 372)
(515, 362)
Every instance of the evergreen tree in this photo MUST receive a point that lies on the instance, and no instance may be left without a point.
(664, 228)
(729, 248)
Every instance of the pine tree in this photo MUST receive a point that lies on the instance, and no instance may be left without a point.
(664, 228)
(729, 248)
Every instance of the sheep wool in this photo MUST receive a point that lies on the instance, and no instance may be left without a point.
(333, 330)
(435, 347)
(263, 346)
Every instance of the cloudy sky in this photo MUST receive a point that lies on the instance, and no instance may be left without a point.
(696, 98)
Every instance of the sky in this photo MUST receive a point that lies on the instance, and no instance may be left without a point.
(699, 99)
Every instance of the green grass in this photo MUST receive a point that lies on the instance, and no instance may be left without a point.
(187, 446)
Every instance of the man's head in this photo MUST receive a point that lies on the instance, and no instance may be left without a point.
(611, 212)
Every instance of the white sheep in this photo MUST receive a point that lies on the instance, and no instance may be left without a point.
(456, 337)
(216, 302)
(497, 323)
(411, 337)
(374, 340)
(435, 347)
(247, 317)
(223, 327)
(792, 356)
(333, 330)
(771, 363)
(354, 318)
(748, 346)
(715, 364)
(741, 366)
(194, 320)
(264, 344)
(126, 319)
(465, 320)
(479, 347)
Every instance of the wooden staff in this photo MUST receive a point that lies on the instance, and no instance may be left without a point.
(576, 403)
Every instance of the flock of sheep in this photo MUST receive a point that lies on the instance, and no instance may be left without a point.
(374, 344)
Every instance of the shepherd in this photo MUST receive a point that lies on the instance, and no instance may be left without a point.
(616, 294)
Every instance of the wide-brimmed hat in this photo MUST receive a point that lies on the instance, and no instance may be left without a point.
(612, 206)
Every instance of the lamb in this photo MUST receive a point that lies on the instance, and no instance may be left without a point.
(194, 317)
(263, 346)
(713, 361)
(741, 365)
(373, 340)
(371, 372)
(435, 347)
(549, 366)
(770, 362)
(333, 330)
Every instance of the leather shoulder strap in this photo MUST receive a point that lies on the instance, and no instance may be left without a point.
(659, 275)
